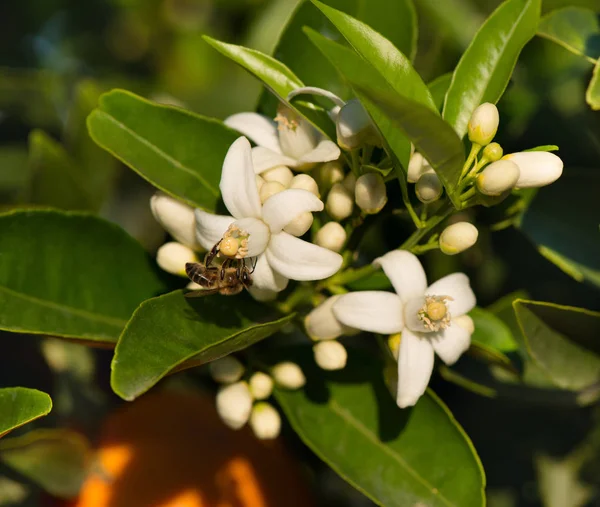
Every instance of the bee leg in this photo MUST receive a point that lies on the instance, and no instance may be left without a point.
(254, 264)
(224, 266)
(212, 254)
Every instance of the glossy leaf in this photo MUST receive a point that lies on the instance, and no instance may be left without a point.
(438, 89)
(592, 94)
(545, 147)
(71, 275)
(486, 66)
(563, 341)
(395, 457)
(55, 459)
(574, 28)
(19, 405)
(177, 151)
(171, 333)
(490, 331)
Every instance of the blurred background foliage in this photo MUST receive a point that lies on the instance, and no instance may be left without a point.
(58, 56)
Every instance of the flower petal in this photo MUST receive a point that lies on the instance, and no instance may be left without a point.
(259, 128)
(264, 278)
(259, 235)
(300, 260)
(281, 208)
(411, 315)
(405, 272)
(175, 217)
(325, 151)
(370, 310)
(265, 159)
(322, 324)
(263, 295)
(210, 228)
(537, 168)
(458, 288)
(238, 181)
(415, 365)
(450, 343)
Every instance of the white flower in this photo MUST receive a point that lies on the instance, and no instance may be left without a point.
(261, 385)
(172, 257)
(498, 177)
(176, 218)
(354, 127)
(288, 375)
(458, 237)
(330, 355)
(424, 315)
(234, 404)
(322, 324)
(259, 228)
(289, 140)
(226, 370)
(537, 168)
(265, 421)
(483, 124)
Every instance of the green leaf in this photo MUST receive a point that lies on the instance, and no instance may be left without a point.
(19, 405)
(177, 151)
(487, 64)
(171, 333)
(55, 459)
(490, 331)
(375, 281)
(574, 28)
(562, 341)
(395, 457)
(83, 277)
(592, 94)
(545, 147)
(438, 89)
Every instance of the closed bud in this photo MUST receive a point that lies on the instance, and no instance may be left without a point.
(330, 355)
(305, 182)
(498, 177)
(370, 193)
(354, 127)
(417, 167)
(176, 218)
(321, 323)
(172, 257)
(299, 225)
(458, 237)
(429, 188)
(329, 174)
(536, 168)
(331, 236)
(226, 370)
(465, 322)
(339, 204)
(349, 183)
(280, 174)
(483, 124)
(288, 375)
(493, 152)
(261, 385)
(265, 421)
(234, 404)
(269, 189)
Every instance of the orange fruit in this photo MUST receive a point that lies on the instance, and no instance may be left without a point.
(170, 449)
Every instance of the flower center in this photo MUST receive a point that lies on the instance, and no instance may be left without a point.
(286, 119)
(434, 313)
(234, 242)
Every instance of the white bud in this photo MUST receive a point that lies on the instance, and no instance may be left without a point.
(498, 177)
(176, 218)
(329, 174)
(429, 188)
(259, 182)
(353, 126)
(417, 167)
(305, 182)
(234, 404)
(299, 225)
(269, 189)
(226, 370)
(321, 323)
(331, 236)
(465, 322)
(537, 168)
(370, 193)
(172, 256)
(340, 202)
(265, 421)
(261, 385)
(458, 237)
(330, 355)
(349, 183)
(280, 174)
(483, 124)
(296, 136)
(288, 375)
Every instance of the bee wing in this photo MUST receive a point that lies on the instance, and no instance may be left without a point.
(201, 293)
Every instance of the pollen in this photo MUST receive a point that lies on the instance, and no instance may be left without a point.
(286, 119)
(234, 243)
(434, 313)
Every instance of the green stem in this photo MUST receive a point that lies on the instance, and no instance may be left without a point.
(419, 249)
(411, 211)
(302, 294)
(355, 163)
(469, 162)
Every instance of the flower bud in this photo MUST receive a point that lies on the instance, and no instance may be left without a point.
(339, 203)
(172, 256)
(417, 167)
(280, 174)
(370, 193)
(176, 218)
(329, 174)
(330, 355)
(465, 322)
(288, 375)
(305, 182)
(331, 236)
(483, 124)
(429, 188)
(537, 168)
(299, 225)
(349, 183)
(265, 421)
(234, 404)
(498, 177)
(259, 182)
(261, 385)
(458, 237)
(269, 189)
(353, 126)
(321, 323)
(493, 152)
(296, 136)
(226, 370)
